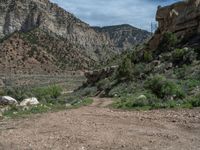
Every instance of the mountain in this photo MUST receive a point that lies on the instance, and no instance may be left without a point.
(39, 36)
(163, 73)
(123, 36)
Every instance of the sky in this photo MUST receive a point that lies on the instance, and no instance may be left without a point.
(138, 13)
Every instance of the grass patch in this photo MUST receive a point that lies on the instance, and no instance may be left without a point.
(16, 112)
(84, 102)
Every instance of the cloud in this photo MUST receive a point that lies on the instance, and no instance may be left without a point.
(139, 13)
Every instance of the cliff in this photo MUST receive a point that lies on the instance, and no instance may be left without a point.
(181, 18)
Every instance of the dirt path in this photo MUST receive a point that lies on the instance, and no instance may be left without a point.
(97, 128)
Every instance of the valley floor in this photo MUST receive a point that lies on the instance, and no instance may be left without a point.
(95, 127)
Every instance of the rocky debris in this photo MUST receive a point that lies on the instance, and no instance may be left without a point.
(29, 101)
(181, 18)
(7, 100)
(94, 76)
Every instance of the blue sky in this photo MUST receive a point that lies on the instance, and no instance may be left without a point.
(139, 13)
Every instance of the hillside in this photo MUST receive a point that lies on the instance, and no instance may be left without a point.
(39, 36)
(163, 73)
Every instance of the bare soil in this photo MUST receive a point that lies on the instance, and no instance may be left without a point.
(96, 127)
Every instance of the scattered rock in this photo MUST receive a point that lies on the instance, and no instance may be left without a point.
(29, 101)
(7, 100)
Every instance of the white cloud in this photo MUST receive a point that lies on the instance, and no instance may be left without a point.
(139, 13)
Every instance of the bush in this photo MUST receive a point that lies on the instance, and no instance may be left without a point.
(164, 88)
(168, 42)
(104, 84)
(148, 56)
(48, 93)
(195, 101)
(140, 99)
(86, 91)
(126, 69)
(183, 56)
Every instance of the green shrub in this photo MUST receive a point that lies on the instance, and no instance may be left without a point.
(183, 56)
(139, 69)
(164, 88)
(148, 56)
(168, 42)
(48, 93)
(126, 69)
(194, 101)
(86, 91)
(104, 84)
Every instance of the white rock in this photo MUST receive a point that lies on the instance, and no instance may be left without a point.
(7, 100)
(142, 97)
(29, 101)
(68, 105)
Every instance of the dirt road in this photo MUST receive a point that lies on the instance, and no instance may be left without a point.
(97, 128)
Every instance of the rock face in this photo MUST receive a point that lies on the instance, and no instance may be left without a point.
(29, 101)
(123, 36)
(182, 19)
(73, 41)
(7, 100)
(94, 76)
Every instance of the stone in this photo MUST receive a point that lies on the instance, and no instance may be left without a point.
(143, 97)
(29, 102)
(7, 100)
(68, 105)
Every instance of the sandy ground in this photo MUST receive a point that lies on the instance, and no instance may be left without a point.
(95, 127)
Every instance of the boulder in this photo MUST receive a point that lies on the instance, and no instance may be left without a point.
(29, 101)
(96, 75)
(68, 105)
(7, 100)
(142, 97)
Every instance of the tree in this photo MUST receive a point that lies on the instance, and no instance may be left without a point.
(126, 69)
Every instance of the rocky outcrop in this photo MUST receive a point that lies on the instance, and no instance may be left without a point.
(123, 36)
(94, 76)
(181, 18)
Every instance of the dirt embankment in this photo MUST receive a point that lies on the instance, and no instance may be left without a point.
(98, 128)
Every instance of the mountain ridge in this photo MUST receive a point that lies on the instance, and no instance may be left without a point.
(23, 16)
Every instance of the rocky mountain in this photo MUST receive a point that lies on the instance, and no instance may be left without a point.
(123, 36)
(56, 39)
